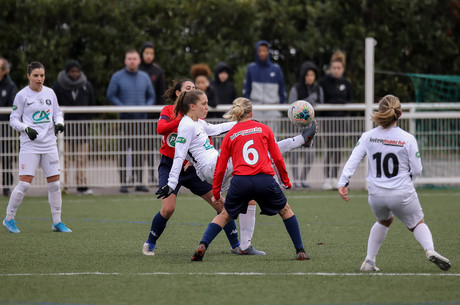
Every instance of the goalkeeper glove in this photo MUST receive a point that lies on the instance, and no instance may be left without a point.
(309, 133)
(32, 133)
(59, 128)
(164, 192)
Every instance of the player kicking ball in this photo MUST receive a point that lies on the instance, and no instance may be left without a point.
(249, 143)
(394, 164)
(36, 114)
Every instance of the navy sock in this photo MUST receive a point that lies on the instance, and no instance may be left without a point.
(211, 232)
(158, 226)
(292, 226)
(232, 233)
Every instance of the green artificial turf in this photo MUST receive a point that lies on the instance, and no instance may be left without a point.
(101, 262)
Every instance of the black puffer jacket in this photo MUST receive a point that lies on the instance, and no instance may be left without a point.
(301, 91)
(336, 91)
(225, 92)
(155, 73)
(8, 91)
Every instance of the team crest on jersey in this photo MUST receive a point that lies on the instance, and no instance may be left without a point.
(181, 140)
(48, 102)
(208, 144)
(41, 101)
(171, 140)
(40, 117)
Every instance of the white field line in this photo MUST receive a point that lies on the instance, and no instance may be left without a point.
(334, 195)
(230, 274)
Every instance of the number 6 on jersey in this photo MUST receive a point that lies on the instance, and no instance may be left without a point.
(248, 152)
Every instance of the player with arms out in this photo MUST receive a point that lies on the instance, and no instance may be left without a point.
(394, 164)
(193, 144)
(37, 116)
(167, 127)
(249, 144)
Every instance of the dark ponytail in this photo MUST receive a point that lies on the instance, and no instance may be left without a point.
(34, 65)
(170, 93)
(186, 99)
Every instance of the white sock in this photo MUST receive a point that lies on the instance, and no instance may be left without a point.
(55, 200)
(15, 199)
(423, 235)
(290, 143)
(376, 238)
(247, 224)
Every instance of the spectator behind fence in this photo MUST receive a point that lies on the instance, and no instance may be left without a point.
(72, 88)
(8, 91)
(223, 84)
(337, 90)
(159, 84)
(155, 73)
(201, 73)
(306, 89)
(130, 87)
(264, 85)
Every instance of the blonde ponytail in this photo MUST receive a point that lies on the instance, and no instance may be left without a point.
(389, 111)
(241, 109)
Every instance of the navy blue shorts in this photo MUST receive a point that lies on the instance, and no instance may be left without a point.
(261, 187)
(188, 178)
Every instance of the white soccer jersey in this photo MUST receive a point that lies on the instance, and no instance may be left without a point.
(393, 156)
(193, 144)
(40, 111)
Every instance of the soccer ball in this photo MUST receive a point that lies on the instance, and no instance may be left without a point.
(301, 113)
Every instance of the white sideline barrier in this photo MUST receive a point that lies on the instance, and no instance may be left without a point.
(106, 141)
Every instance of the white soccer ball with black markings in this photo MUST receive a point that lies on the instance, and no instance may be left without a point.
(301, 113)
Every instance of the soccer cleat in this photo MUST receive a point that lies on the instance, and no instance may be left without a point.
(60, 227)
(308, 133)
(440, 261)
(199, 253)
(301, 255)
(10, 225)
(369, 266)
(235, 250)
(250, 251)
(147, 248)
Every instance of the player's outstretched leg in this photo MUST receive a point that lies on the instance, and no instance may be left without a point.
(292, 226)
(423, 235)
(156, 229)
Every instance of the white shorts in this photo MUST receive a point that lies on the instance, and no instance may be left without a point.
(403, 204)
(49, 162)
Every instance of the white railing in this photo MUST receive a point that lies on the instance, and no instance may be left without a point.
(101, 144)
